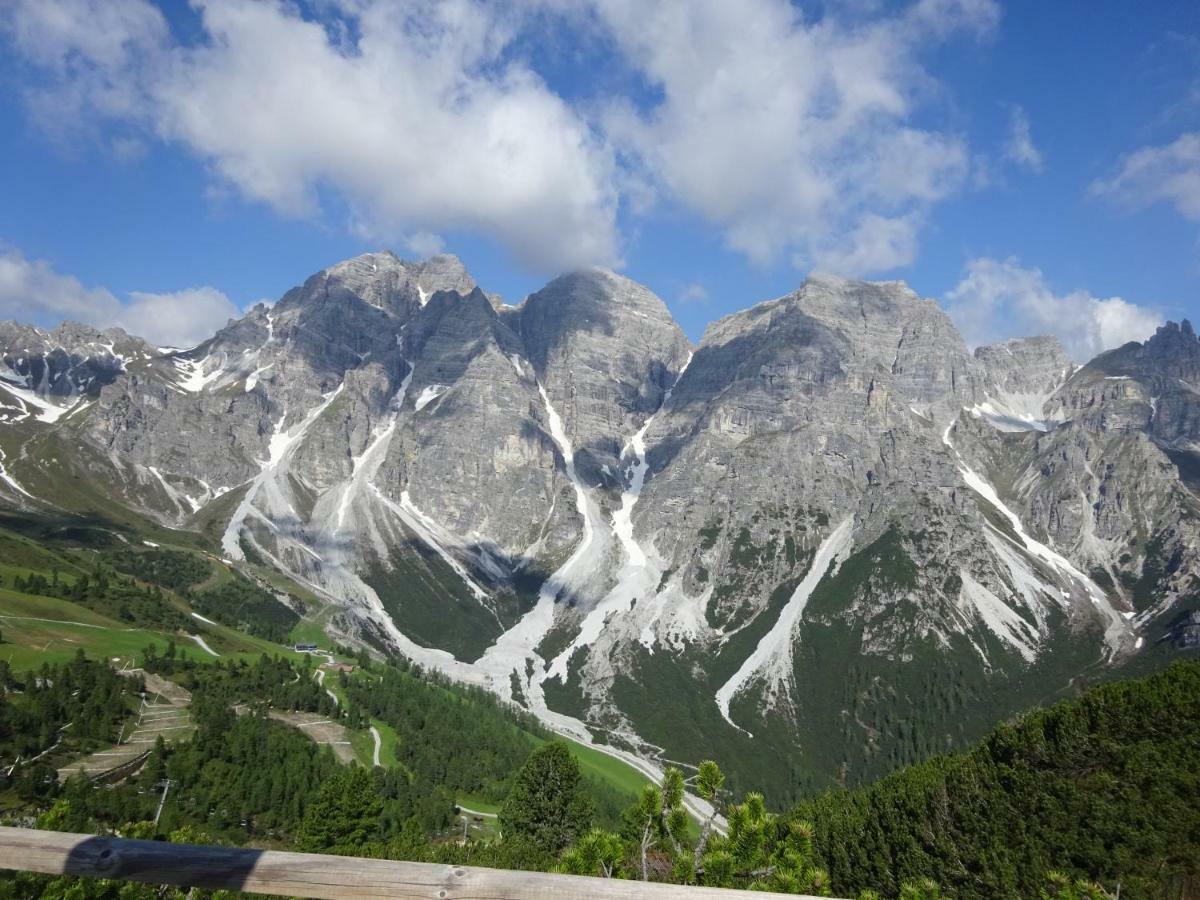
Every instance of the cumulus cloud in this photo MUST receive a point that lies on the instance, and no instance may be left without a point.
(1163, 174)
(796, 138)
(792, 136)
(87, 52)
(1020, 148)
(421, 121)
(32, 291)
(693, 293)
(876, 243)
(178, 318)
(997, 299)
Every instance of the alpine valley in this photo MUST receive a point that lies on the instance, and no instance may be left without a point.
(827, 541)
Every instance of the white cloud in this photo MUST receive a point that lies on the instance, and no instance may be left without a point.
(422, 123)
(32, 291)
(791, 136)
(425, 244)
(999, 299)
(100, 34)
(943, 17)
(1167, 174)
(694, 293)
(1020, 147)
(795, 138)
(876, 243)
(179, 318)
(87, 50)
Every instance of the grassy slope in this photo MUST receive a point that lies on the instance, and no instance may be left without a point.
(595, 764)
(45, 544)
(27, 642)
(602, 767)
(40, 544)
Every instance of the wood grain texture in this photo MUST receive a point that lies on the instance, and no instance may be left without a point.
(311, 874)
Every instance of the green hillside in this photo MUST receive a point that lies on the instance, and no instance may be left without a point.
(1106, 786)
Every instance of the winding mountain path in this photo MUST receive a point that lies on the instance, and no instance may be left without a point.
(378, 745)
(166, 715)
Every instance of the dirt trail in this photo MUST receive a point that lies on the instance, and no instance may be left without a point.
(320, 731)
(378, 744)
(475, 812)
(318, 728)
(164, 711)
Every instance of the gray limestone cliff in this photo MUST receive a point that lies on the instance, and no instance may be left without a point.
(827, 520)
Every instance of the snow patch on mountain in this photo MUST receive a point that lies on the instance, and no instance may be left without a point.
(1117, 632)
(9, 480)
(196, 375)
(43, 410)
(429, 395)
(772, 658)
(273, 472)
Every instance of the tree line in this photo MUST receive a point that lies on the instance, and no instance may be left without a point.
(109, 593)
(66, 708)
(234, 599)
(1091, 797)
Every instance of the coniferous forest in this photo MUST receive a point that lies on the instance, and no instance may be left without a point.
(1096, 796)
(1074, 800)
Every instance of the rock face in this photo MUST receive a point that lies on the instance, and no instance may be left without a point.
(829, 525)
(44, 373)
(1022, 375)
(607, 350)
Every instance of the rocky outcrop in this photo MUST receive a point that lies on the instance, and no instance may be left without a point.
(569, 504)
(43, 373)
(606, 350)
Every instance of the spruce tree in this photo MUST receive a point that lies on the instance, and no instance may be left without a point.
(547, 805)
(345, 814)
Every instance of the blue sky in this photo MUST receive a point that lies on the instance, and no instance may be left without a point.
(1033, 166)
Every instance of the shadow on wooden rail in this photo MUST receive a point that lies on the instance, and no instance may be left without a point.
(311, 874)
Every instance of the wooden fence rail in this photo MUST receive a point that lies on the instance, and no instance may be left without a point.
(311, 874)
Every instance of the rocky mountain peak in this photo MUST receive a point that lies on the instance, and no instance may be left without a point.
(878, 318)
(1175, 351)
(597, 305)
(607, 350)
(382, 280)
(1032, 365)
(1172, 352)
(70, 336)
(443, 272)
(591, 299)
(72, 359)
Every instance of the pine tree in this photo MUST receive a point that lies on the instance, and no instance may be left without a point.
(547, 805)
(763, 856)
(598, 853)
(345, 814)
(709, 782)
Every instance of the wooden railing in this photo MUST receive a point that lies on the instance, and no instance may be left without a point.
(311, 874)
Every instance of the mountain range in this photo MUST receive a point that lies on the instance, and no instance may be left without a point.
(827, 540)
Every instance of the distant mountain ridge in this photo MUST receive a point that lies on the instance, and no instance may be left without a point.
(830, 525)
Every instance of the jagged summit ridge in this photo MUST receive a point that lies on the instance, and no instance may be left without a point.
(389, 282)
(43, 374)
(570, 504)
